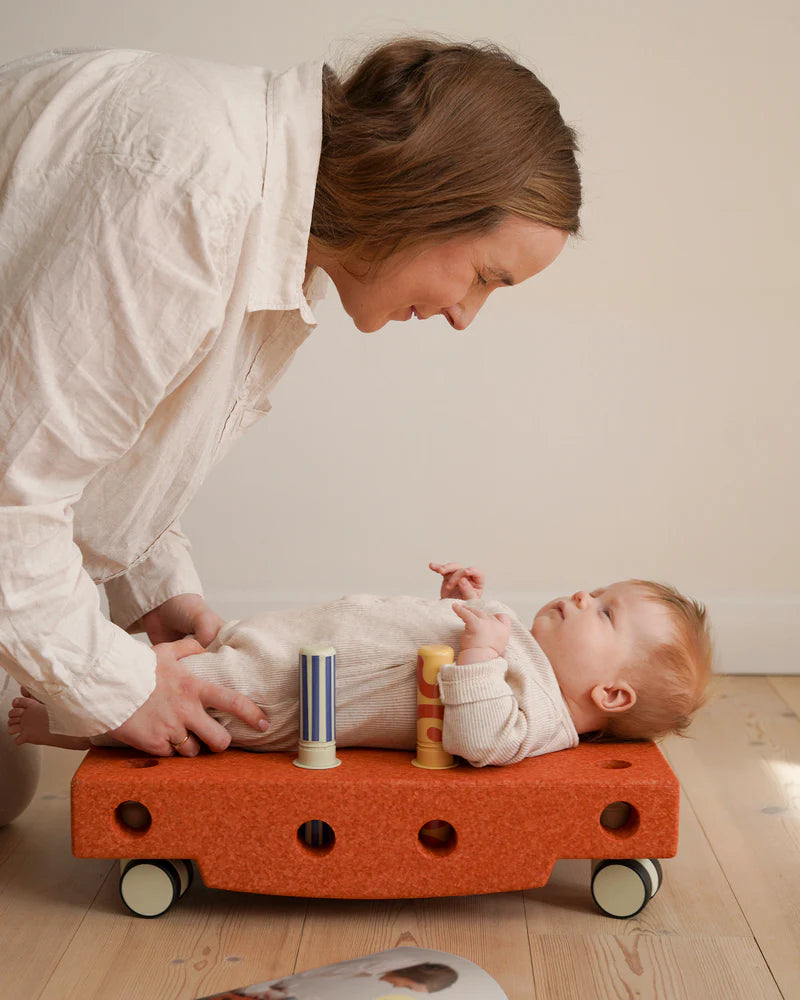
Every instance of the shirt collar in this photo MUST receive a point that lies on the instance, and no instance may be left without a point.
(294, 140)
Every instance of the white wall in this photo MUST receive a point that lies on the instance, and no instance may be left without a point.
(632, 411)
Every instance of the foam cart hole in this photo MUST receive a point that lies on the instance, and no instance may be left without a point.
(437, 836)
(317, 834)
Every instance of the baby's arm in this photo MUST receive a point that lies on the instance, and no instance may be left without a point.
(483, 721)
(485, 635)
(459, 583)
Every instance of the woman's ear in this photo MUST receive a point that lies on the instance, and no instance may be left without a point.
(616, 697)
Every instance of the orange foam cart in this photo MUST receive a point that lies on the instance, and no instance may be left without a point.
(388, 829)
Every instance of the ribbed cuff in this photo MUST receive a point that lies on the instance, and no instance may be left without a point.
(463, 684)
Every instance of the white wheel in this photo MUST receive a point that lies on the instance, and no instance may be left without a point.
(622, 888)
(149, 888)
(186, 874)
(657, 877)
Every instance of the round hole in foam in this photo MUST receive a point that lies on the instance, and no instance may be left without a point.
(437, 836)
(620, 819)
(317, 836)
(133, 817)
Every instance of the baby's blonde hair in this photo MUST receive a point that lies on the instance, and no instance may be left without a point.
(671, 679)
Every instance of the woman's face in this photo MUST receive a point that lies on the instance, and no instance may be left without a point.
(451, 279)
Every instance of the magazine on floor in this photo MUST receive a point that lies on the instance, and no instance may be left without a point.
(397, 974)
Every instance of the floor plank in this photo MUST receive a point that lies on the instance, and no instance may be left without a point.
(606, 967)
(789, 690)
(44, 891)
(210, 941)
(724, 926)
(741, 773)
(487, 930)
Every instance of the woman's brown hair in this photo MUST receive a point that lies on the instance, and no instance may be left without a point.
(425, 141)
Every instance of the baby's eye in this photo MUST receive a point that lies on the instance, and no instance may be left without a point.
(607, 613)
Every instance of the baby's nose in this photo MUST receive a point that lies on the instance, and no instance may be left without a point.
(581, 598)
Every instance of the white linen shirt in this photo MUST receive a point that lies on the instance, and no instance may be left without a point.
(154, 222)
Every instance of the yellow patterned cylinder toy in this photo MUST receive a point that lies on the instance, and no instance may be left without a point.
(430, 710)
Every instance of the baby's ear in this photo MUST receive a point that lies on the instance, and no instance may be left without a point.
(616, 697)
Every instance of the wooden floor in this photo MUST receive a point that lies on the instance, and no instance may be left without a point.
(726, 923)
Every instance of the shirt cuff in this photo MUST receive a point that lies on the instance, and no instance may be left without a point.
(107, 694)
(166, 571)
(470, 682)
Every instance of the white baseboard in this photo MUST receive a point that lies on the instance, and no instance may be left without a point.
(752, 635)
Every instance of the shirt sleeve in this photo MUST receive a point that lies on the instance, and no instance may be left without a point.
(166, 571)
(110, 290)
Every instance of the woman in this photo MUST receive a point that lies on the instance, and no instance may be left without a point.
(166, 226)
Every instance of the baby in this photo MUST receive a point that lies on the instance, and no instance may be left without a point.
(628, 661)
(423, 977)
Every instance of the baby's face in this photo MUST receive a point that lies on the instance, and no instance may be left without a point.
(591, 637)
(408, 984)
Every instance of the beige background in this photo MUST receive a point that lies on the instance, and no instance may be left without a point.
(632, 411)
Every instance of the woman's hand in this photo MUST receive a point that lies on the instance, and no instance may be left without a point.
(185, 614)
(177, 708)
(459, 583)
(485, 636)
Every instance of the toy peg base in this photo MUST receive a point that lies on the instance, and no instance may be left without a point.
(316, 767)
(434, 759)
(316, 756)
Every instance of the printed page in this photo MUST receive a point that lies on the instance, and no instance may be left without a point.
(397, 974)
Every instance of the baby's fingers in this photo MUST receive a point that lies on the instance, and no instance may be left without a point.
(444, 568)
(466, 613)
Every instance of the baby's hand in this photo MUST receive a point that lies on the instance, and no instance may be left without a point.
(485, 636)
(459, 583)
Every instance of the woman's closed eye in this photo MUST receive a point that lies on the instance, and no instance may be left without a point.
(480, 278)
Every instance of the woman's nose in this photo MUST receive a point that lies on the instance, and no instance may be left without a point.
(581, 598)
(465, 311)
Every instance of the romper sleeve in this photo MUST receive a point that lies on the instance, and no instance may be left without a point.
(111, 286)
(487, 722)
(483, 722)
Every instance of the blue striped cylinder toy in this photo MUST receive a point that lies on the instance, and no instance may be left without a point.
(316, 746)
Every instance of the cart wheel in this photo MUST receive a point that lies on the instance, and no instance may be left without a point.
(658, 878)
(188, 878)
(149, 888)
(622, 888)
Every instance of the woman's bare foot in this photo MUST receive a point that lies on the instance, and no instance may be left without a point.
(28, 723)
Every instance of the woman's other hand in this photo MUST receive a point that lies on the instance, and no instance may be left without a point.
(177, 708)
(459, 583)
(185, 614)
